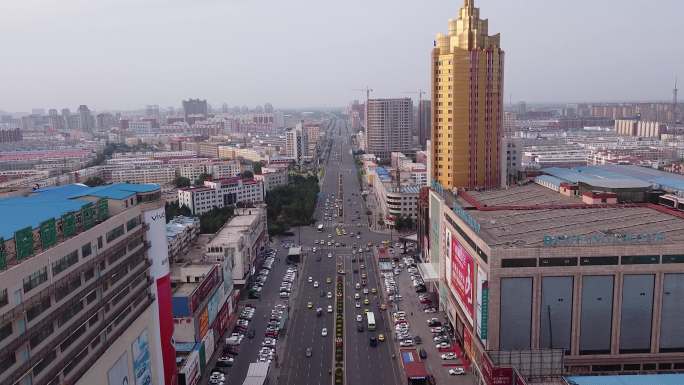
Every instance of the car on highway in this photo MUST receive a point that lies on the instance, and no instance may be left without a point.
(309, 305)
(310, 279)
(324, 332)
(374, 290)
(365, 290)
(329, 295)
(315, 284)
(330, 309)
(308, 352)
(357, 286)
(359, 318)
(357, 304)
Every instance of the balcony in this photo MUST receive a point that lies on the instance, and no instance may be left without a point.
(74, 323)
(19, 310)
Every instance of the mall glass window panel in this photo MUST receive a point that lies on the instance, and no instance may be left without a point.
(556, 313)
(636, 313)
(672, 314)
(516, 314)
(596, 314)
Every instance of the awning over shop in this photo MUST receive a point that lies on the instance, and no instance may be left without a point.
(428, 272)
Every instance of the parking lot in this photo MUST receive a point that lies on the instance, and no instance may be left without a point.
(417, 324)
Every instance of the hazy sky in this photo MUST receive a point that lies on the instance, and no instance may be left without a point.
(124, 54)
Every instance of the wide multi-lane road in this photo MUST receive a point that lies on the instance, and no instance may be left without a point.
(364, 364)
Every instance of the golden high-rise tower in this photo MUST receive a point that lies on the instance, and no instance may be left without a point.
(467, 103)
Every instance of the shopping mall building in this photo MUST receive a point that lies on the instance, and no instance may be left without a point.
(551, 282)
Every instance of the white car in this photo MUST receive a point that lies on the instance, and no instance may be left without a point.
(329, 255)
(365, 290)
(324, 332)
(315, 283)
(357, 304)
(357, 296)
(359, 318)
(329, 295)
(329, 308)
(310, 279)
(314, 249)
(456, 372)
(406, 343)
(449, 356)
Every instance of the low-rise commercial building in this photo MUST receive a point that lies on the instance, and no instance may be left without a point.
(181, 232)
(240, 240)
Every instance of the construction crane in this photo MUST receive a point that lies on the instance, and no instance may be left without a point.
(367, 90)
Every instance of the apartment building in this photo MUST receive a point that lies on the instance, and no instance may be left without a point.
(395, 199)
(272, 177)
(220, 193)
(84, 287)
(159, 174)
(389, 126)
(217, 170)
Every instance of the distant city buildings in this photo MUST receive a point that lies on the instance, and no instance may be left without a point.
(297, 144)
(424, 122)
(195, 109)
(389, 126)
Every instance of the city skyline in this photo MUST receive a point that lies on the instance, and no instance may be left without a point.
(131, 47)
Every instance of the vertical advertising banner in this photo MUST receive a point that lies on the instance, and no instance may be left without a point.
(449, 258)
(203, 323)
(482, 304)
(118, 373)
(163, 336)
(141, 359)
(462, 272)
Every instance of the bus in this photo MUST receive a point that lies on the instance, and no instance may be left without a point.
(320, 228)
(371, 320)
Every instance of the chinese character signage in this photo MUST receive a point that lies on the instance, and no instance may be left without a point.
(68, 225)
(462, 271)
(48, 233)
(24, 242)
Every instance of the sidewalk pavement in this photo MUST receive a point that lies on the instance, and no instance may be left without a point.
(418, 326)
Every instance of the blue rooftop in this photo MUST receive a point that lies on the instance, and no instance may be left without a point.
(596, 176)
(17, 213)
(637, 379)
(556, 182)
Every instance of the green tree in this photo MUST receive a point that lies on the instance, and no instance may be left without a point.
(256, 166)
(181, 181)
(248, 175)
(200, 181)
(292, 205)
(212, 221)
(94, 181)
(172, 210)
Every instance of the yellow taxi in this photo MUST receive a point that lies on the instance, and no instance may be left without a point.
(365, 301)
(366, 310)
(381, 337)
(374, 291)
(309, 305)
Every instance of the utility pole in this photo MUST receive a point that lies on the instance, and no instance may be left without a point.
(674, 102)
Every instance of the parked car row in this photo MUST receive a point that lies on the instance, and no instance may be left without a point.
(275, 323)
(260, 279)
(402, 330)
(288, 280)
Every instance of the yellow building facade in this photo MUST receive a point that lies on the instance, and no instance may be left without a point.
(467, 100)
